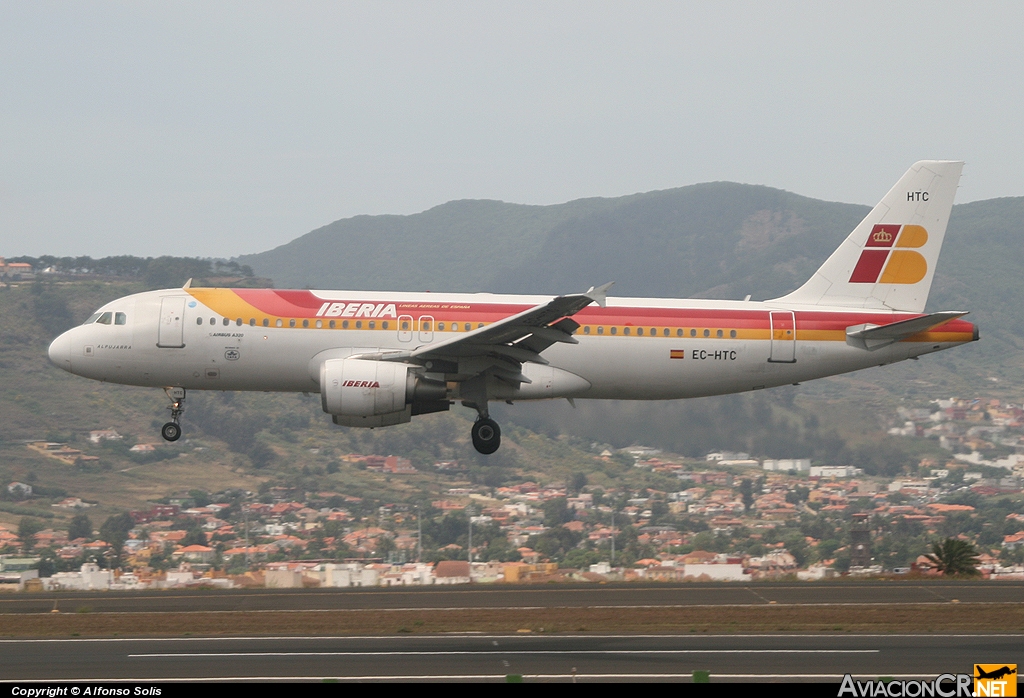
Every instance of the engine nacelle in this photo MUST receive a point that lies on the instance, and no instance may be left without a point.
(365, 393)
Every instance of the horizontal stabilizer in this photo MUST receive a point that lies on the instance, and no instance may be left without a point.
(872, 337)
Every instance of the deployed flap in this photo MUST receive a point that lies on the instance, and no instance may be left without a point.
(876, 336)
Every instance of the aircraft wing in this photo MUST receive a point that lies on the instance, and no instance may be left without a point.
(502, 347)
(877, 336)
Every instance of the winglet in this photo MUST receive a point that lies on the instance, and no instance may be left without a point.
(187, 286)
(599, 294)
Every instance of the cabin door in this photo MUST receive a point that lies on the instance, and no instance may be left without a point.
(172, 322)
(783, 324)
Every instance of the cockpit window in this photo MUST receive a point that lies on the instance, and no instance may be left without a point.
(120, 318)
(92, 319)
(104, 319)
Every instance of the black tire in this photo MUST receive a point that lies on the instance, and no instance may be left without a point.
(486, 436)
(170, 431)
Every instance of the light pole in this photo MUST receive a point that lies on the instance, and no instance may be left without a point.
(613, 536)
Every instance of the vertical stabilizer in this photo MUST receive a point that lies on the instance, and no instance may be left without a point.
(888, 261)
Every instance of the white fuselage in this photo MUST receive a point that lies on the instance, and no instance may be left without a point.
(673, 349)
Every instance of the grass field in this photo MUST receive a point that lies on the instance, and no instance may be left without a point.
(919, 618)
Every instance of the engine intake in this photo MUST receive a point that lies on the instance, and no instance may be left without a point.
(362, 392)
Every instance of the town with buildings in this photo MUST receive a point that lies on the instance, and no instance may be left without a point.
(729, 517)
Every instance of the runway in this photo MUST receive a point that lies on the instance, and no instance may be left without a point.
(509, 596)
(760, 658)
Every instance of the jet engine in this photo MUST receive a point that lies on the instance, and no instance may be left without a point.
(366, 393)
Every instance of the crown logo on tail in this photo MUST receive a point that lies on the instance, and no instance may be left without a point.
(882, 236)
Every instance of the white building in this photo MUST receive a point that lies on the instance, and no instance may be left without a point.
(89, 578)
(835, 471)
(719, 572)
(787, 465)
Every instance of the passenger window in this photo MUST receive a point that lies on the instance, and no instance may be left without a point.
(732, 333)
(319, 323)
(120, 319)
(252, 322)
(332, 324)
(305, 323)
(479, 325)
(586, 329)
(707, 333)
(238, 322)
(639, 331)
(226, 322)
(440, 327)
(426, 327)
(104, 319)
(266, 322)
(719, 333)
(199, 321)
(279, 323)
(373, 324)
(625, 330)
(693, 333)
(666, 332)
(344, 324)
(213, 321)
(291, 323)
(468, 326)
(405, 324)
(615, 330)
(359, 324)
(600, 330)
(654, 332)
(384, 325)
(679, 332)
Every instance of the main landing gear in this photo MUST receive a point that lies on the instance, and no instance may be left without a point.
(486, 435)
(172, 430)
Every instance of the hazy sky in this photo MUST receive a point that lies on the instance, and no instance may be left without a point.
(215, 129)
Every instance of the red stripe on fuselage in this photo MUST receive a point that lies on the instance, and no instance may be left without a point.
(304, 304)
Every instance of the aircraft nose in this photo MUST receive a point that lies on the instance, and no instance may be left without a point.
(60, 352)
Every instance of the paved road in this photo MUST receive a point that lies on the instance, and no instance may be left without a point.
(502, 596)
(487, 657)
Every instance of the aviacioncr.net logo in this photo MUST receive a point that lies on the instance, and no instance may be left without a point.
(943, 686)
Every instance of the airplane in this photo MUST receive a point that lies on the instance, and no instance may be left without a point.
(379, 359)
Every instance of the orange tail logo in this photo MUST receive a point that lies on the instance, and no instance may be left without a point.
(880, 263)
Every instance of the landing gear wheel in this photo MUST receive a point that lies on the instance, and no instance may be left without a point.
(486, 436)
(170, 431)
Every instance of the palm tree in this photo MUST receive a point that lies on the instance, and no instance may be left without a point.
(954, 557)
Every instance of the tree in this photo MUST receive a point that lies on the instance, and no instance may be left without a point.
(27, 528)
(194, 536)
(747, 492)
(114, 532)
(80, 527)
(556, 512)
(954, 557)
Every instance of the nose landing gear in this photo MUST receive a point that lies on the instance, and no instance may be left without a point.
(172, 430)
